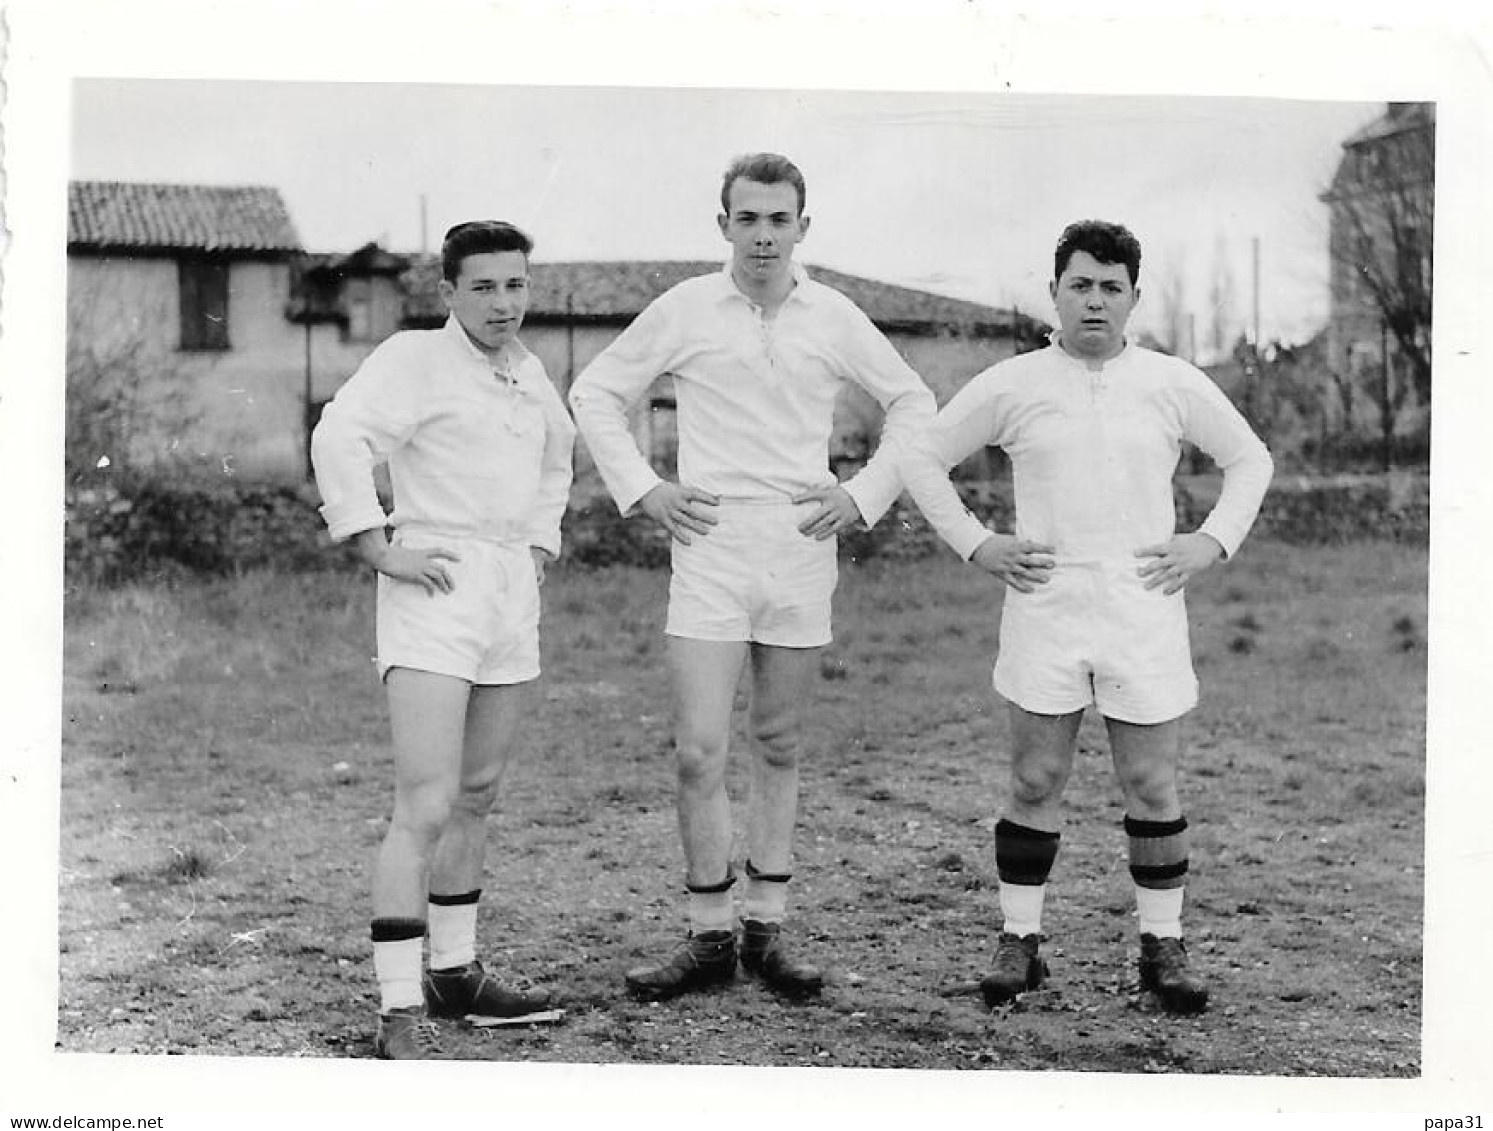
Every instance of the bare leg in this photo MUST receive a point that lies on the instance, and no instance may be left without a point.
(427, 714)
(492, 720)
(1146, 766)
(779, 679)
(704, 675)
(1042, 749)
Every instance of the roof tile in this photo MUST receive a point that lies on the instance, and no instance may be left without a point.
(172, 217)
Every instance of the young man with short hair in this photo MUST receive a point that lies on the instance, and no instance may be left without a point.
(479, 448)
(758, 352)
(1094, 575)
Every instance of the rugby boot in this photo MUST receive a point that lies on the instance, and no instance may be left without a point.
(407, 1034)
(1163, 971)
(763, 954)
(1018, 968)
(704, 959)
(470, 991)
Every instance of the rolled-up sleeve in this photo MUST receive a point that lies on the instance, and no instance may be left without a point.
(555, 473)
(608, 387)
(875, 365)
(1213, 423)
(370, 416)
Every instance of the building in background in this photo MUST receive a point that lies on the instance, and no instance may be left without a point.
(209, 289)
(1381, 220)
(176, 299)
(577, 309)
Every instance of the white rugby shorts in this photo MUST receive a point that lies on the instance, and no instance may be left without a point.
(486, 630)
(754, 578)
(1094, 634)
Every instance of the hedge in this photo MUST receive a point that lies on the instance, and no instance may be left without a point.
(124, 531)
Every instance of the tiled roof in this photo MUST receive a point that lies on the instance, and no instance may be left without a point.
(104, 215)
(617, 291)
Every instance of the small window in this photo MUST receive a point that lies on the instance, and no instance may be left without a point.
(359, 311)
(204, 304)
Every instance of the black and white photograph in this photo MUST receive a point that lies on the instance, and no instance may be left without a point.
(670, 575)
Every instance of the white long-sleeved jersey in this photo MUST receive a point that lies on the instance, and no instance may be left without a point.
(755, 396)
(1092, 452)
(470, 453)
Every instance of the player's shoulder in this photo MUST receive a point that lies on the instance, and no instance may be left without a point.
(1017, 369)
(703, 287)
(830, 298)
(408, 344)
(1164, 370)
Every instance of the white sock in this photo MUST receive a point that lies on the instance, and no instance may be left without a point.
(765, 900)
(710, 911)
(397, 967)
(1160, 911)
(1021, 908)
(453, 935)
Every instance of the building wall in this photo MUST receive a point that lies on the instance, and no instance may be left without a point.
(242, 411)
(238, 410)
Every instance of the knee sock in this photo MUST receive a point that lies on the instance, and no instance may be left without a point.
(396, 962)
(710, 905)
(453, 929)
(766, 897)
(1023, 860)
(1158, 865)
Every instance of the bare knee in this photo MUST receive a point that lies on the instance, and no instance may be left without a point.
(422, 811)
(776, 737)
(1150, 792)
(1039, 775)
(478, 794)
(701, 759)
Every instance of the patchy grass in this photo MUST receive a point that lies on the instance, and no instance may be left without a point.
(225, 781)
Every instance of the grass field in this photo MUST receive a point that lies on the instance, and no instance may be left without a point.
(225, 781)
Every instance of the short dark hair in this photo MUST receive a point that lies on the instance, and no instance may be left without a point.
(765, 169)
(1106, 242)
(478, 237)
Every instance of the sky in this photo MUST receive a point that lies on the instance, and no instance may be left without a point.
(962, 193)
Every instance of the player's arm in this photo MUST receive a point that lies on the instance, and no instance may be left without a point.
(601, 397)
(873, 363)
(425, 567)
(556, 472)
(372, 415)
(1210, 420)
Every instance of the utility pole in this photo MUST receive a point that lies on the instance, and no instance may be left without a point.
(1255, 247)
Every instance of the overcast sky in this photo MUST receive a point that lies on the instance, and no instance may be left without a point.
(962, 194)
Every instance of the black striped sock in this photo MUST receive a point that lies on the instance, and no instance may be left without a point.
(1158, 852)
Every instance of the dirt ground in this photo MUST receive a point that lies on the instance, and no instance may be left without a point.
(225, 783)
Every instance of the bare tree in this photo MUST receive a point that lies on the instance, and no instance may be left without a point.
(1383, 204)
(1172, 290)
(1221, 300)
(124, 395)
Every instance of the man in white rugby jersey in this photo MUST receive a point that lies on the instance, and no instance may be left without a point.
(478, 445)
(758, 353)
(1094, 575)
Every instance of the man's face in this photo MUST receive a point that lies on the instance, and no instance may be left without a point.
(490, 296)
(763, 227)
(1094, 301)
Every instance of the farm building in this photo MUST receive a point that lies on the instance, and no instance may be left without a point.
(184, 286)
